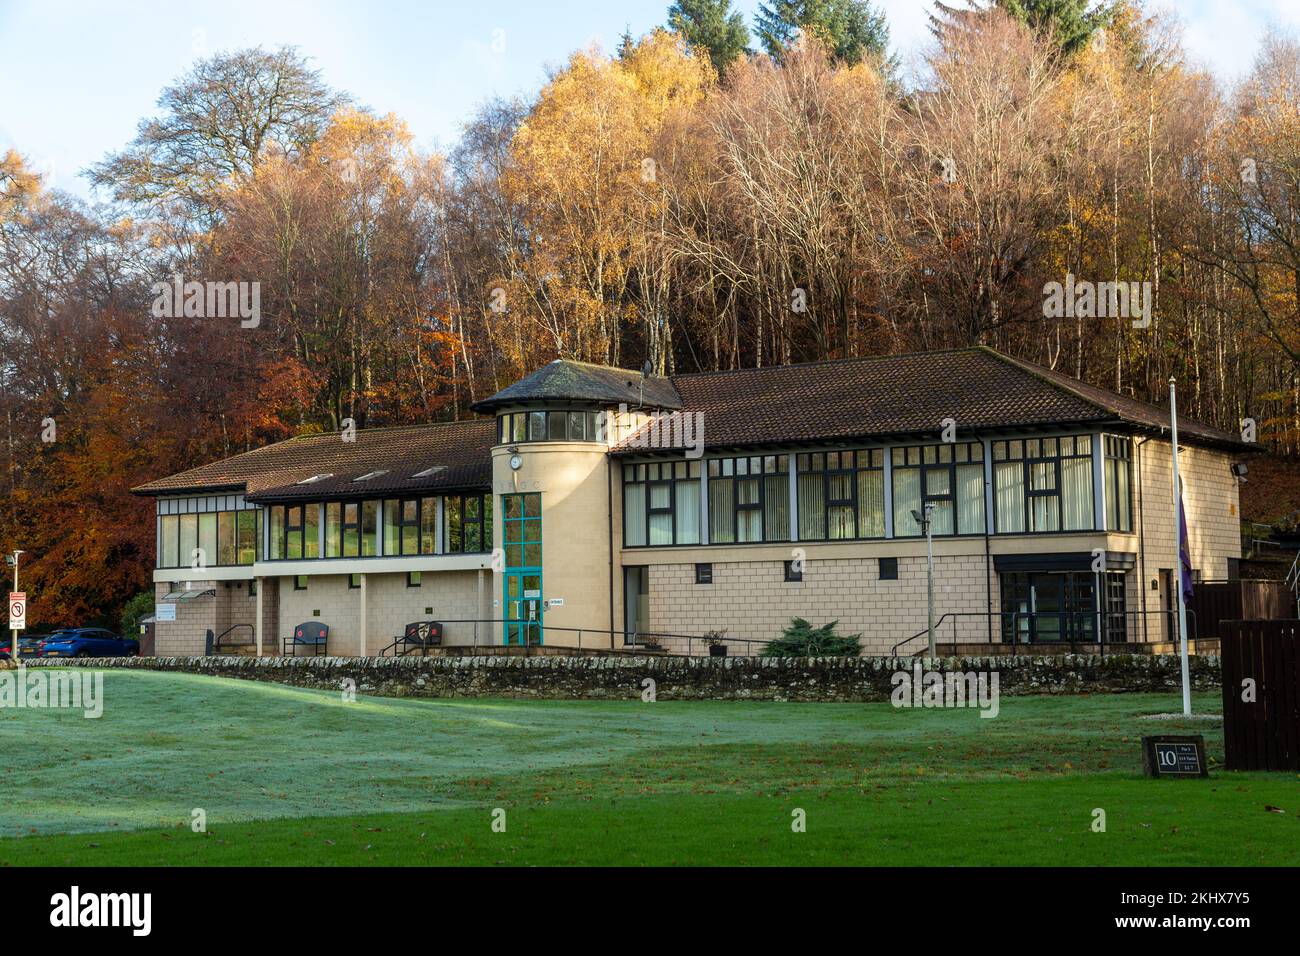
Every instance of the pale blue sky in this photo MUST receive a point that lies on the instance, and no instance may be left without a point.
(76, 77)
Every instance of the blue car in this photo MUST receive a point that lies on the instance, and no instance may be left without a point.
(89, 642)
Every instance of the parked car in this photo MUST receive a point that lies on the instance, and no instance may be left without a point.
(89, 642)
(30, 645)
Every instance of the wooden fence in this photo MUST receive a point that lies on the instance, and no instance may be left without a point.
(1262, 733)
(1216, 601)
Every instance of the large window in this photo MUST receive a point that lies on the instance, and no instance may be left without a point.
(467, 524)
(749, 499)
(841, 495)
(1118, 469)
(1043, 484)
(227, 538)
(1062, 606)
(661, 503)
(950, 476)
(572, 425)
(402, 526)
(295, 531)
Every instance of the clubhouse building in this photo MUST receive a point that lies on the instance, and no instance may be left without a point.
(598, 508)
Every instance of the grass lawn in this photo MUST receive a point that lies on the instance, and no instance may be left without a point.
(288, 776)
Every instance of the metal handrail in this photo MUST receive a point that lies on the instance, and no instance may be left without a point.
(638, 638)
(216, 641)
(1014, 617)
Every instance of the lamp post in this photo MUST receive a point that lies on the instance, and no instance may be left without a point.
(923, 519)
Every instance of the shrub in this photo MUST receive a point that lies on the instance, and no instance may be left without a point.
(139, 606)
(801, 639)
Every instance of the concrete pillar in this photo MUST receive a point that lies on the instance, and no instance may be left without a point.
(479, 605)
(257, 621)
(361, 630)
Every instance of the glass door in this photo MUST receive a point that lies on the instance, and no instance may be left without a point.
(522, 598)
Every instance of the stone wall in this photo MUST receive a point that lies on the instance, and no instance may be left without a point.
(680, 678)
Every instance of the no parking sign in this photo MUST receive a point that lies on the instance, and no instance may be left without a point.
(17, 610)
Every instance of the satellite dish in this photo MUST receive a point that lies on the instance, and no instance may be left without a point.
(647, 368)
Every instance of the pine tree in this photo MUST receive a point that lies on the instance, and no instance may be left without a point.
(1071, 23)
(710, 26)
(850, 28)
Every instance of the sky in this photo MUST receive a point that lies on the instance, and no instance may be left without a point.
(77, 77)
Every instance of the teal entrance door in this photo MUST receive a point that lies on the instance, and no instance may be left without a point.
(523, 608)
(522, 597)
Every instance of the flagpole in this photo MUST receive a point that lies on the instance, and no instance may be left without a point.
(1178, 552)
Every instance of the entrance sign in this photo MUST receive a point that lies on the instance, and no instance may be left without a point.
(1171, 756)
(17, 610)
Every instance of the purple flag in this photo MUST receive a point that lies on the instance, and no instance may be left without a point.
(1184, 555)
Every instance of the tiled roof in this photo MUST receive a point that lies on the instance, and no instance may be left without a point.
(567, 381)
(457, 453)
(846, 400)
(898, 395)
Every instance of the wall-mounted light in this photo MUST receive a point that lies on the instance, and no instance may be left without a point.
(1239, 470)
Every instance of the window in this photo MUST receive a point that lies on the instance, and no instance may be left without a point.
(704, 574)
(1043, 484)
(334, 530)
(1046, 607)
(841, 495)
(428, 525)
(369, 529)
(189, 539)
(566, 425)
(661, 503)
(889, 569)
(208, 537)
(228, 538)
(467, 521)
(1118, 478)
(402, 527)
(749, 499)
(226, 552)
(412, 579)
(949, 476)
(522, 530)
(351, 528)
(169, 550)
(300, 582)
(295, 531)
(354, 582)
(792, 573)
(252, 587)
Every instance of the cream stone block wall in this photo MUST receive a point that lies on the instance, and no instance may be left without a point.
(751, 599)
(1212, 503)
(390, 606)
(231, 605)
(573, 481)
